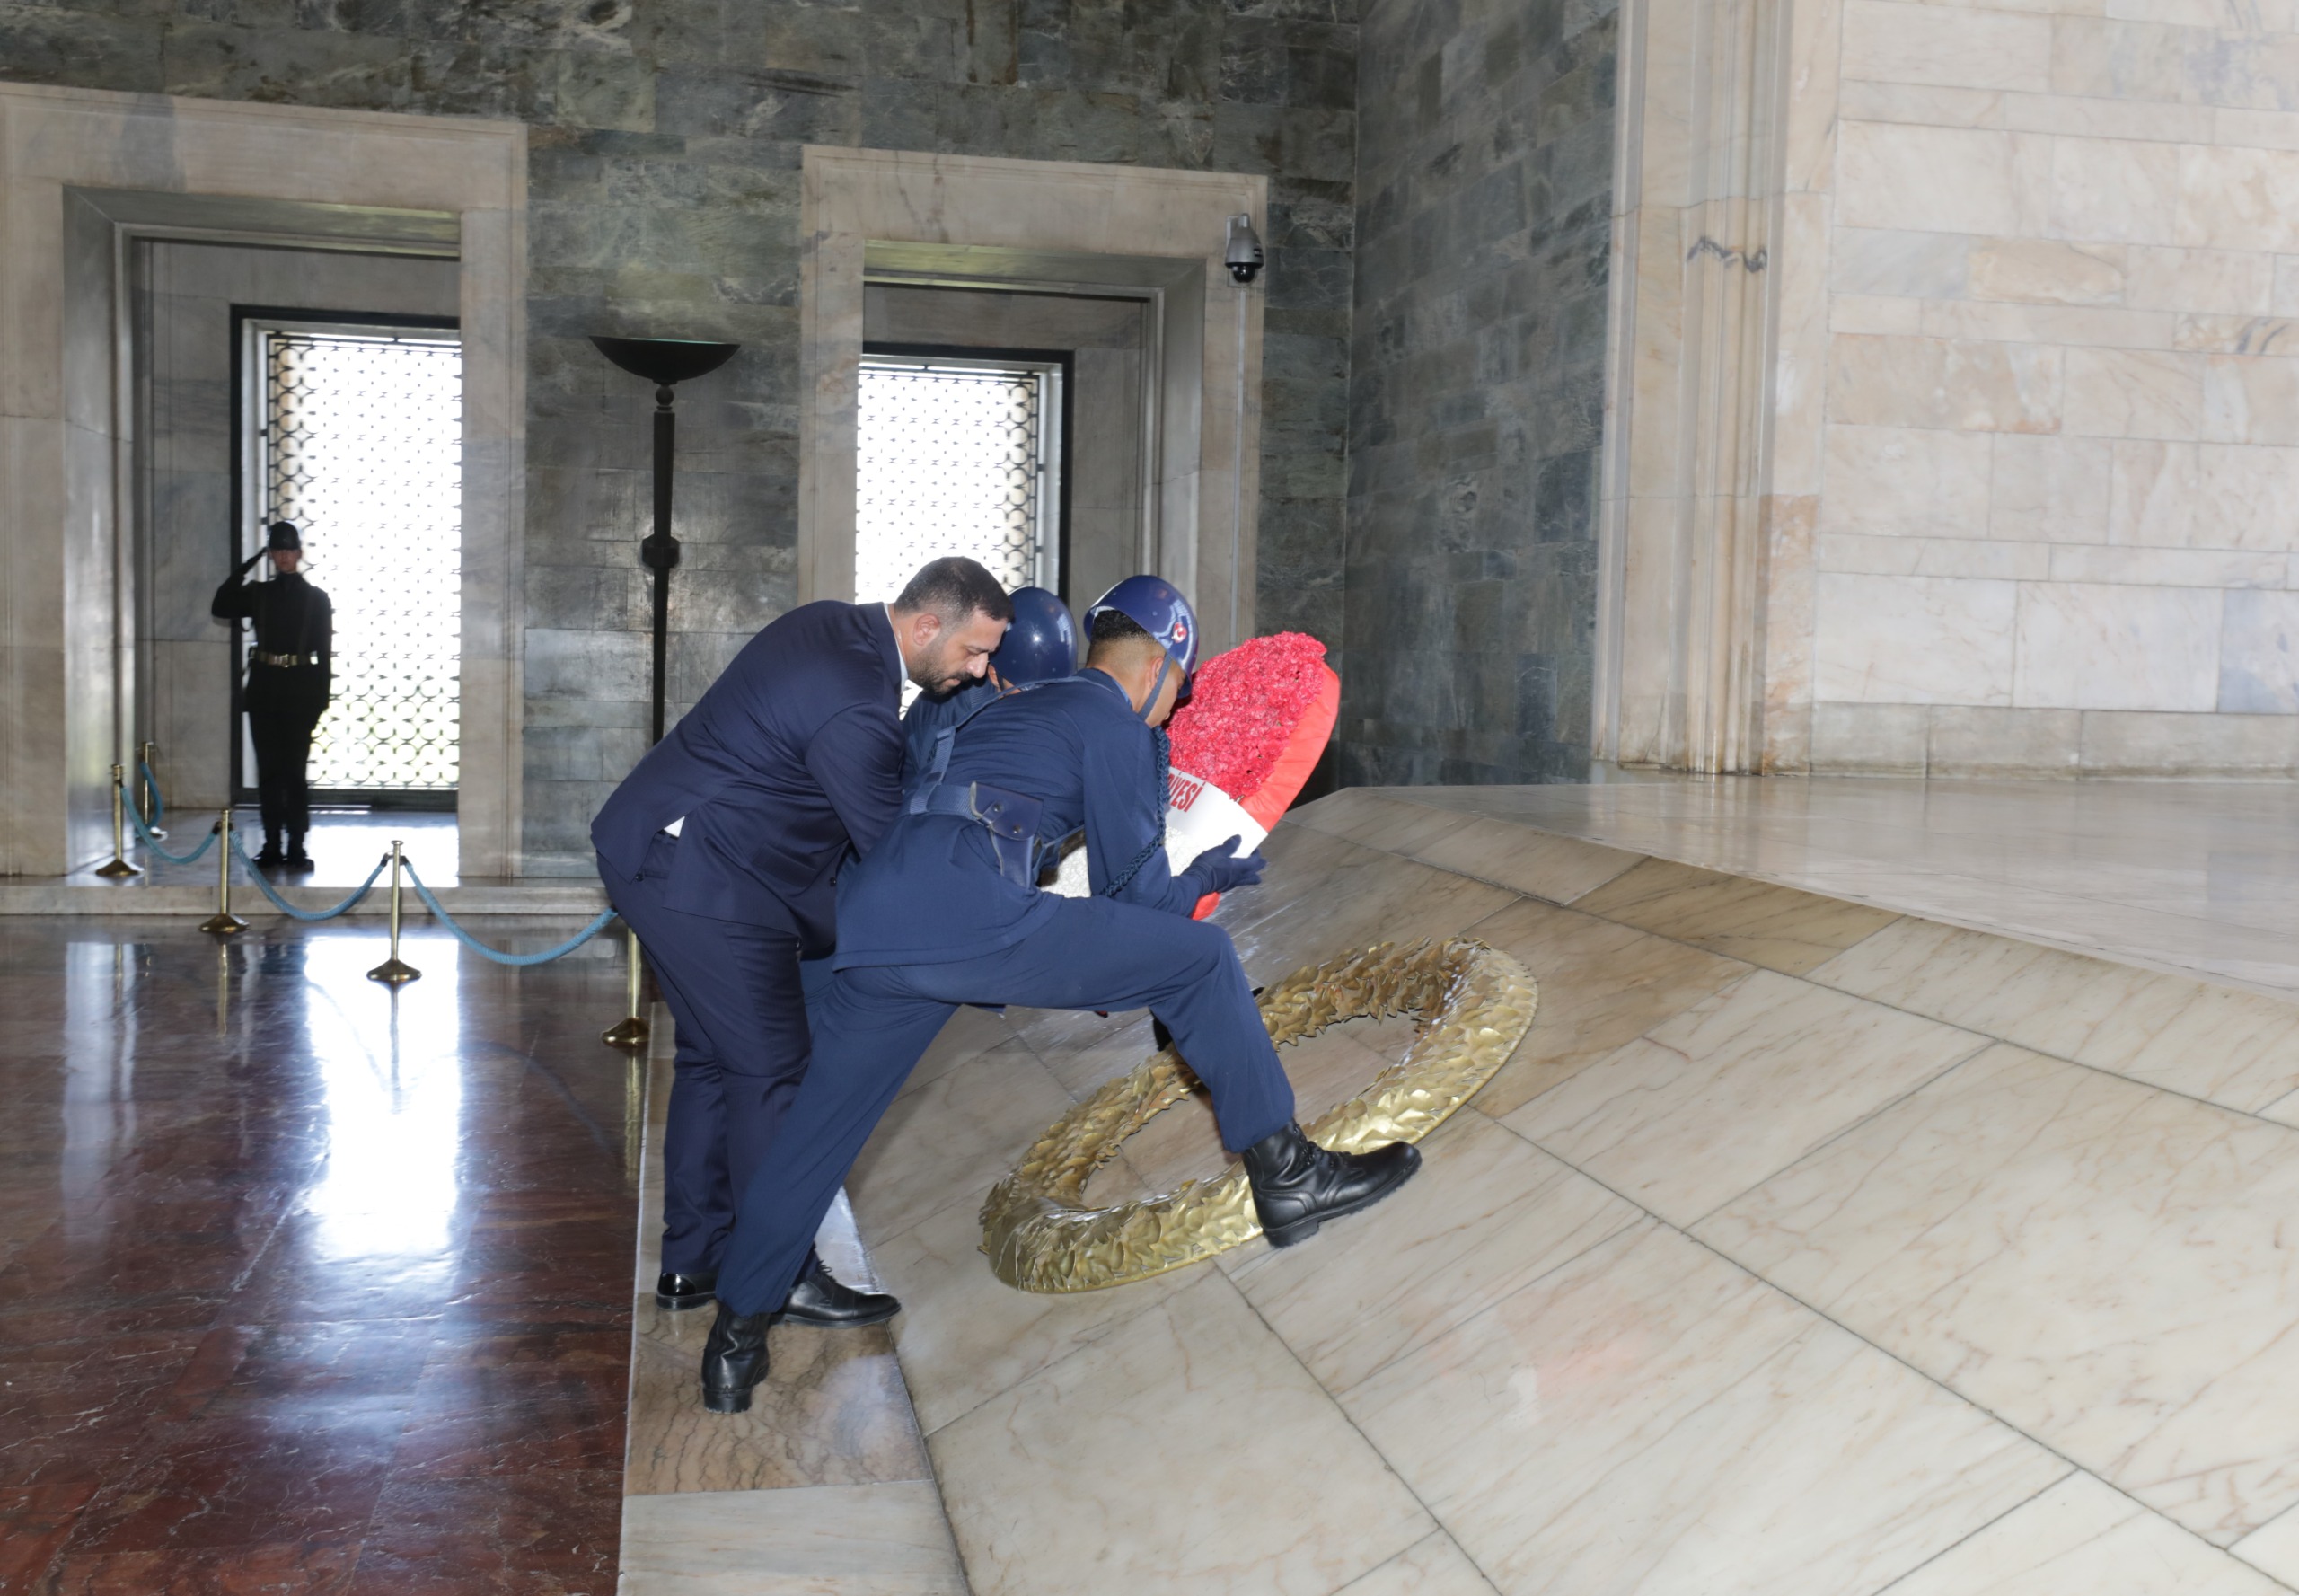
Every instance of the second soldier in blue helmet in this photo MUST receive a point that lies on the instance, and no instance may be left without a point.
(1021, 774)
(1040, 646)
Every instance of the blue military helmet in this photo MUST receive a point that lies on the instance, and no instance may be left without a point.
(1158, 607)
(1042, 645)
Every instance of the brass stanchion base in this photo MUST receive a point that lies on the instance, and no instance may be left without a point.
(626, 1033)
(222, 925)
(118, 868)
(394, 972)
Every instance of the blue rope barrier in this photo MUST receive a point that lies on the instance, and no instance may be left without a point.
(606, 917)
(240, 853)
(152, 786)
(144, 832)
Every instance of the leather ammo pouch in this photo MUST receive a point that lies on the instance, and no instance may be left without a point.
(1010, 818)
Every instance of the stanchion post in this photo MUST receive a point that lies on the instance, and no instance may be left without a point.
(224, 922)
(143, 751)
(393, 971)
(630, 1030)
(117, 867)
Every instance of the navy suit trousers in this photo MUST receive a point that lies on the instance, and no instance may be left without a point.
(872, 1023)
(737, 994)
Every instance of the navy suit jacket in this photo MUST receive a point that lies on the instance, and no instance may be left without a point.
(794, 754)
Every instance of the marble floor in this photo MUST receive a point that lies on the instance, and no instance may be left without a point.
(823, 1489)
(1805, 1245)
(2198, 877)
(307, 1285)
(1902, 1237)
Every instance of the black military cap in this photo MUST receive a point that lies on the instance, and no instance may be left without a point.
(284, 535)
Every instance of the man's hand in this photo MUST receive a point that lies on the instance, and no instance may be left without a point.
(1222, 868)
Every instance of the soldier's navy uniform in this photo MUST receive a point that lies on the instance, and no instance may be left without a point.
(946, 910)
(928, 716)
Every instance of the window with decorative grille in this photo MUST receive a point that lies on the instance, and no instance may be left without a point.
(360, 445)
(957, 456)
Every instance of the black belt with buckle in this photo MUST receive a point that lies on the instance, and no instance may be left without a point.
(284, 661)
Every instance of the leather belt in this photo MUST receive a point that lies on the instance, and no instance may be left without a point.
(260, 657)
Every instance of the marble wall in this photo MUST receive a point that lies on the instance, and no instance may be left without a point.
(2058, 521)
(664, 192)
(1485, 177)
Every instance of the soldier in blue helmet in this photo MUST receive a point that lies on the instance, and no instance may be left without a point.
(1040, 646)
(1018, 778)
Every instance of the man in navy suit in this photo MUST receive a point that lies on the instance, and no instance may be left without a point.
(720, 851)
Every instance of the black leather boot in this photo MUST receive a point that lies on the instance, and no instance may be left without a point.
(1298, 1186)
(296, 860)
(679, 1292)
(270, 855)
(820, 1297)
(734, 1360)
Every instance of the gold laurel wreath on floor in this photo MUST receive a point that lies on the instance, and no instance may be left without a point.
(1474, 1005)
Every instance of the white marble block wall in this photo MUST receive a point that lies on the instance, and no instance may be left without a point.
(2057, 521)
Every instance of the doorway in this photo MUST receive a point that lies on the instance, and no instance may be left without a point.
(350, 425)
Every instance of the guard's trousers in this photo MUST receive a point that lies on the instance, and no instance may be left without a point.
(283, 758)
(285, 705)
(873, 1022)
(737, 994)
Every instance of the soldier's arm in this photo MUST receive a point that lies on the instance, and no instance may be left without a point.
(1125, 822)
(234, 600)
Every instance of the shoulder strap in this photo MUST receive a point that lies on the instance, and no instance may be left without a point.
(938, 764)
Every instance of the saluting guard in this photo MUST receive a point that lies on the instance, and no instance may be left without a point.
(290, 679)
(947, 909)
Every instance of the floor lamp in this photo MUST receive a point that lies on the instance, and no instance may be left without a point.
(664, 362)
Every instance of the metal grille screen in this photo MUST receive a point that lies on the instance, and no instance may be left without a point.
(363, 450)
(954, 460)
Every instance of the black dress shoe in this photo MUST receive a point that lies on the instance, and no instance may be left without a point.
(298, 861)
(734, 1360)
(820, 1297)
(1298, 1186)
(679, 1292)
(270, 856)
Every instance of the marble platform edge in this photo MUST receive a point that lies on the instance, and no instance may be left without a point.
(556, 897)
(877, 1538)
(1456, 800)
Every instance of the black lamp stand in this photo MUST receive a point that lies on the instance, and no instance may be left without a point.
(663, 362)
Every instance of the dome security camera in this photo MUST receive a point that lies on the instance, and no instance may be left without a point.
(1243, 257)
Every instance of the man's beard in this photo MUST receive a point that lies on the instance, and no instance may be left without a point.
(936, 679)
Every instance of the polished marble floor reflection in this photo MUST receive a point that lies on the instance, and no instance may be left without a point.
(1810, 1244)
(308, 1285)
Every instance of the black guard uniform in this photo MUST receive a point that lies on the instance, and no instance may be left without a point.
(290, 678)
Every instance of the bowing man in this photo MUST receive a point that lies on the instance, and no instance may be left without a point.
(719, 849)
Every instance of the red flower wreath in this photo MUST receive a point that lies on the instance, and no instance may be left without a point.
(1257, 720)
